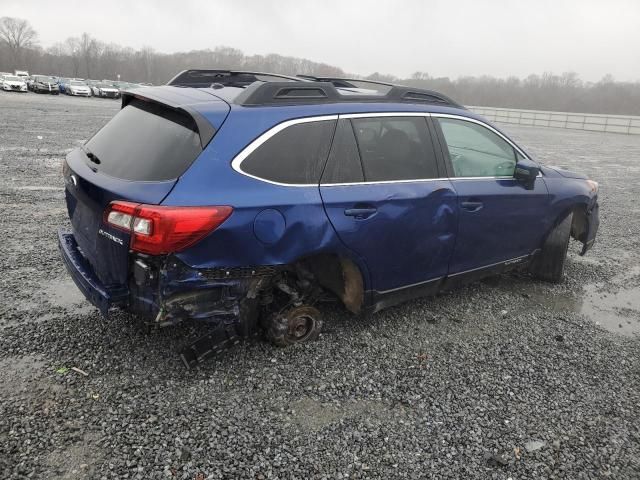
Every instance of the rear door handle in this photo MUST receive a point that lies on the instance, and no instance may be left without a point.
(360, 213)
(472, 206)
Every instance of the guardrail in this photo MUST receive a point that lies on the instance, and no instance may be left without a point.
(578, 121)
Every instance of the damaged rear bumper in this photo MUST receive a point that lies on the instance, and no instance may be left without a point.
(83, 276)
(166, 291)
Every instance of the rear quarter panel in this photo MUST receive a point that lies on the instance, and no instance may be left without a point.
(212, 181)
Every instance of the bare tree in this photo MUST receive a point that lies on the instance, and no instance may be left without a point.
(72, 49)
(147, 57)
(18, 35)
(89, 50)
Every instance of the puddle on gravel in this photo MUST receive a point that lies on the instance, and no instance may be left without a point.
(313, 415)
(616, 310)
(64, 293)
(614, 305)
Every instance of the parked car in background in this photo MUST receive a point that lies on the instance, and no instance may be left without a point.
(245, 207)
(12, 83)
(62, 84)
(45, 84)
(78, 88)
(105, 90)
(126, 86)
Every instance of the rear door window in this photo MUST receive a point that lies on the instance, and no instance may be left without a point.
(395, 148)
(295, 155)
(145, 142)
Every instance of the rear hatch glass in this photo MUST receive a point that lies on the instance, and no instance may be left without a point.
(145, 142)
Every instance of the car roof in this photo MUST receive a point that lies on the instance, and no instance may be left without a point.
(260, 88)
(199, 98)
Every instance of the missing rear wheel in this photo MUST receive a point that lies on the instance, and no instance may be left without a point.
(297, 325)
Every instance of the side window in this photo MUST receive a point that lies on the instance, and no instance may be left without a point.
(295, 155)
(395, 148)
(343, 165)
(476, 151)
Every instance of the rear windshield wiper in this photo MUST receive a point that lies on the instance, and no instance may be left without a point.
(91, 156)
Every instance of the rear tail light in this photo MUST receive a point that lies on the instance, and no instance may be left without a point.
(159, 229)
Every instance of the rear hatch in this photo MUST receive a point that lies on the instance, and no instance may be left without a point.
(138, 156)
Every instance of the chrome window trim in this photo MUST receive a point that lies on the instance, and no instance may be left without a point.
(384, 114)
(236, 163)
(417, 180)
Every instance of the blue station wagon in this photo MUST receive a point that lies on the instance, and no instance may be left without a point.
(244, 199)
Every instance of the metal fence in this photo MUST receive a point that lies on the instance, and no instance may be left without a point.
(579, 121)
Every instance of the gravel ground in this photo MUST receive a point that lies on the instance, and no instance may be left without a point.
(507, 378)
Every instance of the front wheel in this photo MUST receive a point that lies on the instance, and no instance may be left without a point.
(549, 263)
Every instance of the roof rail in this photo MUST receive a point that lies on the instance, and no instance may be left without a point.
(227, 78)
(309, 92)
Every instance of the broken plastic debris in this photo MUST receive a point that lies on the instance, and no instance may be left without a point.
(62, 370)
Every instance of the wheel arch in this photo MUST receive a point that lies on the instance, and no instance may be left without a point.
(340, 275)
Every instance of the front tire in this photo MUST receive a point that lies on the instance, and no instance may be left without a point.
(549, 263)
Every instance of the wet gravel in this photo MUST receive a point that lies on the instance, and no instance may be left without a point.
(506, 378)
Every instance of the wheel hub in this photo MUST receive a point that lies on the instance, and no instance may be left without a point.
(300, 326)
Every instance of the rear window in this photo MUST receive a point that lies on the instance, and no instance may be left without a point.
(295, 155)
(395, 148)
(145, 142)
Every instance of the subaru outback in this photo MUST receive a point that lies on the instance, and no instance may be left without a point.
(244, 199)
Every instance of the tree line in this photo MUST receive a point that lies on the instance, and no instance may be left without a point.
(88, 57)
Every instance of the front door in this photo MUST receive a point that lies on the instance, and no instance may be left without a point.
(500, 219)
(387, 200)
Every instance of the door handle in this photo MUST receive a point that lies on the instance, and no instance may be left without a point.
(472, 206)
(360, 213)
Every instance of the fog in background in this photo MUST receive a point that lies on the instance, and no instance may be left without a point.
(555, 55)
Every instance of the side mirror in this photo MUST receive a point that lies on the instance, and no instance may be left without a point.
(526, 172)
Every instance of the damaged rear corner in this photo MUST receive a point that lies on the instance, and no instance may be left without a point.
(165, 291)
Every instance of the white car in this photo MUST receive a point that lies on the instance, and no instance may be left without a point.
(11, 83)
(105, 90)
(77, 88)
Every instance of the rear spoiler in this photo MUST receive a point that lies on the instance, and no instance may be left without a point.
(206, 131)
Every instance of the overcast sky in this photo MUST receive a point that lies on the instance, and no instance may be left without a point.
(441, 37)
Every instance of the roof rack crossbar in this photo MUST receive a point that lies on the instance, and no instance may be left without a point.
(195, 76)
(283, 93)
(344, 79)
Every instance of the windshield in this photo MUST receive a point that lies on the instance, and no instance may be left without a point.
(13, 79)
(45, 79)
(77, 83)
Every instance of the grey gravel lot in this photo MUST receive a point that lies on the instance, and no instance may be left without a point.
(507, 378)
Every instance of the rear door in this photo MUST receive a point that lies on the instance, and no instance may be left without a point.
(500, 219)
(384, 196)
(137, 156)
